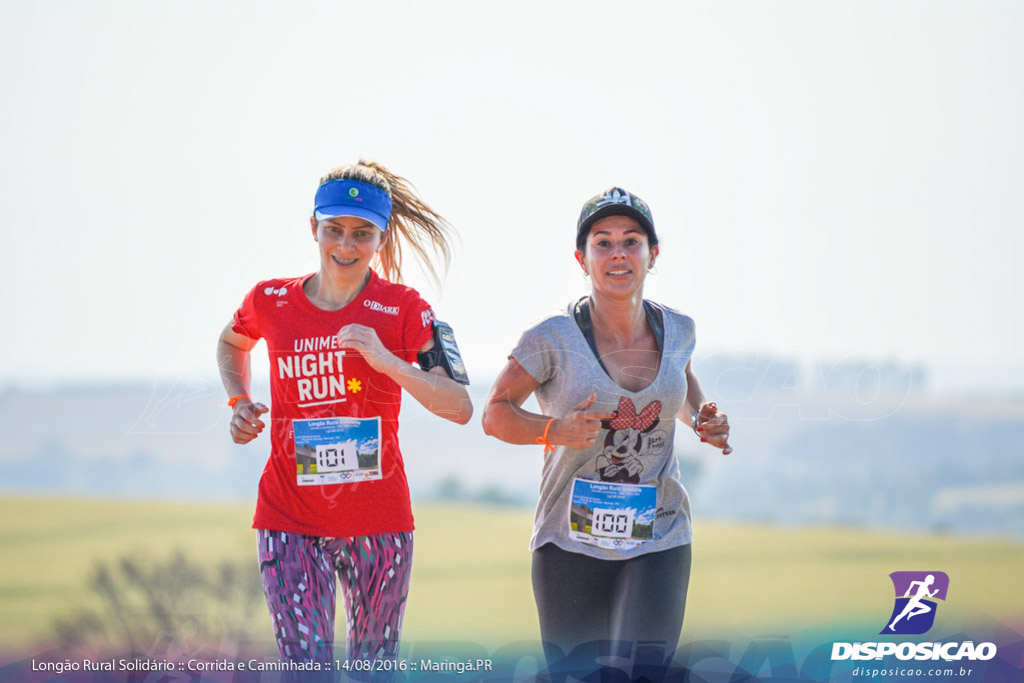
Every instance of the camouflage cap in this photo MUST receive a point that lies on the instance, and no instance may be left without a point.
(615, 202)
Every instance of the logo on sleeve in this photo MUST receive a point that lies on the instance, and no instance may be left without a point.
(428, 317)
(917, 594)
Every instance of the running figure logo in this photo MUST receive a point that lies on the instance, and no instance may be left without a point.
(916, 595)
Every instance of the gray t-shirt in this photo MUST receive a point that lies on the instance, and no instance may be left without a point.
(621, 497)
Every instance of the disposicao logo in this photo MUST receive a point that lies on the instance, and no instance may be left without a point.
(917, 594)
(913, 613)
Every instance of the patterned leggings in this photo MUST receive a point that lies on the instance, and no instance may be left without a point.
(299, 581)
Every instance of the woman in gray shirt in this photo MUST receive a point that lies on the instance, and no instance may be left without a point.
(611, 537)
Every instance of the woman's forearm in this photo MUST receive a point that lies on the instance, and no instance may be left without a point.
(508, 422)
(694, 397)
(435, 391)
(233, 363)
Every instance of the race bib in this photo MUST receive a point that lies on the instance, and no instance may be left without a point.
(612, 515)
(337, 450)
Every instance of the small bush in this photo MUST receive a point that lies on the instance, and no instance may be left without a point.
(148, 603)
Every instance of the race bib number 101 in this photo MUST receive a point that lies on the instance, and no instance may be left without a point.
(337, 450)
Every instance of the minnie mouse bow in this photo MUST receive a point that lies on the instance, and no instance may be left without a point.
(626, 415)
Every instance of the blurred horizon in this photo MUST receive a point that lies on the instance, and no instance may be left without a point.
(857, 443)
(937, 380)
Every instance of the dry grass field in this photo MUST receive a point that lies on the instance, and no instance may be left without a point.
(472, 571)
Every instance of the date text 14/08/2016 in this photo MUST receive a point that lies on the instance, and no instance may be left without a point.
(458, 667)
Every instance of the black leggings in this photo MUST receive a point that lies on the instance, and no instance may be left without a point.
(581, 599)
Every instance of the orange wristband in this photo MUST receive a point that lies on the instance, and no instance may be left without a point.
(234, 399)
(543, 440)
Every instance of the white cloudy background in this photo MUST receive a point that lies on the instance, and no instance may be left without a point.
(827, 178)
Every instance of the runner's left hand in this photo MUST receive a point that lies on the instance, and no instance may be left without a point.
(365, 340)
(713, 427)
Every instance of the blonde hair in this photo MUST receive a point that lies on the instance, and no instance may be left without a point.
(419, 226)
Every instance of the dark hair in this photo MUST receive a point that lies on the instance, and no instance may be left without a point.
(418, 225)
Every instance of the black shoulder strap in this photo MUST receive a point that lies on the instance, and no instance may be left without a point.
(653, 313)
(656, 319)
(581, 311)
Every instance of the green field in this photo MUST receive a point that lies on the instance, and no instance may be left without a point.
(472, 570)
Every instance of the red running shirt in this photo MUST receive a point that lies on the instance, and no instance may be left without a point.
(311, 378)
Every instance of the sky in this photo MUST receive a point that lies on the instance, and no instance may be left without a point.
(828, 180)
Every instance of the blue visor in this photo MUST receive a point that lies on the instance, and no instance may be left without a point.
(353, 198)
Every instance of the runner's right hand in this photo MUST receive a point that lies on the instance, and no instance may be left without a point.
(246, 424)
(578, 429)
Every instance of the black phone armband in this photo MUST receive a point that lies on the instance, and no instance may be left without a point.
(444, 353)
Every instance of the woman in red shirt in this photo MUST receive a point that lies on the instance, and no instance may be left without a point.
(333, 498)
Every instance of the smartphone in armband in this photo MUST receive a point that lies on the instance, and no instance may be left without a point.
(444, 353)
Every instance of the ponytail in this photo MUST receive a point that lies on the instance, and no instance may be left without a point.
(418, 226)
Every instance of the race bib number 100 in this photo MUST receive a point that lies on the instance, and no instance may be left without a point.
(613, 523)
(337, 450)
(612, 515)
